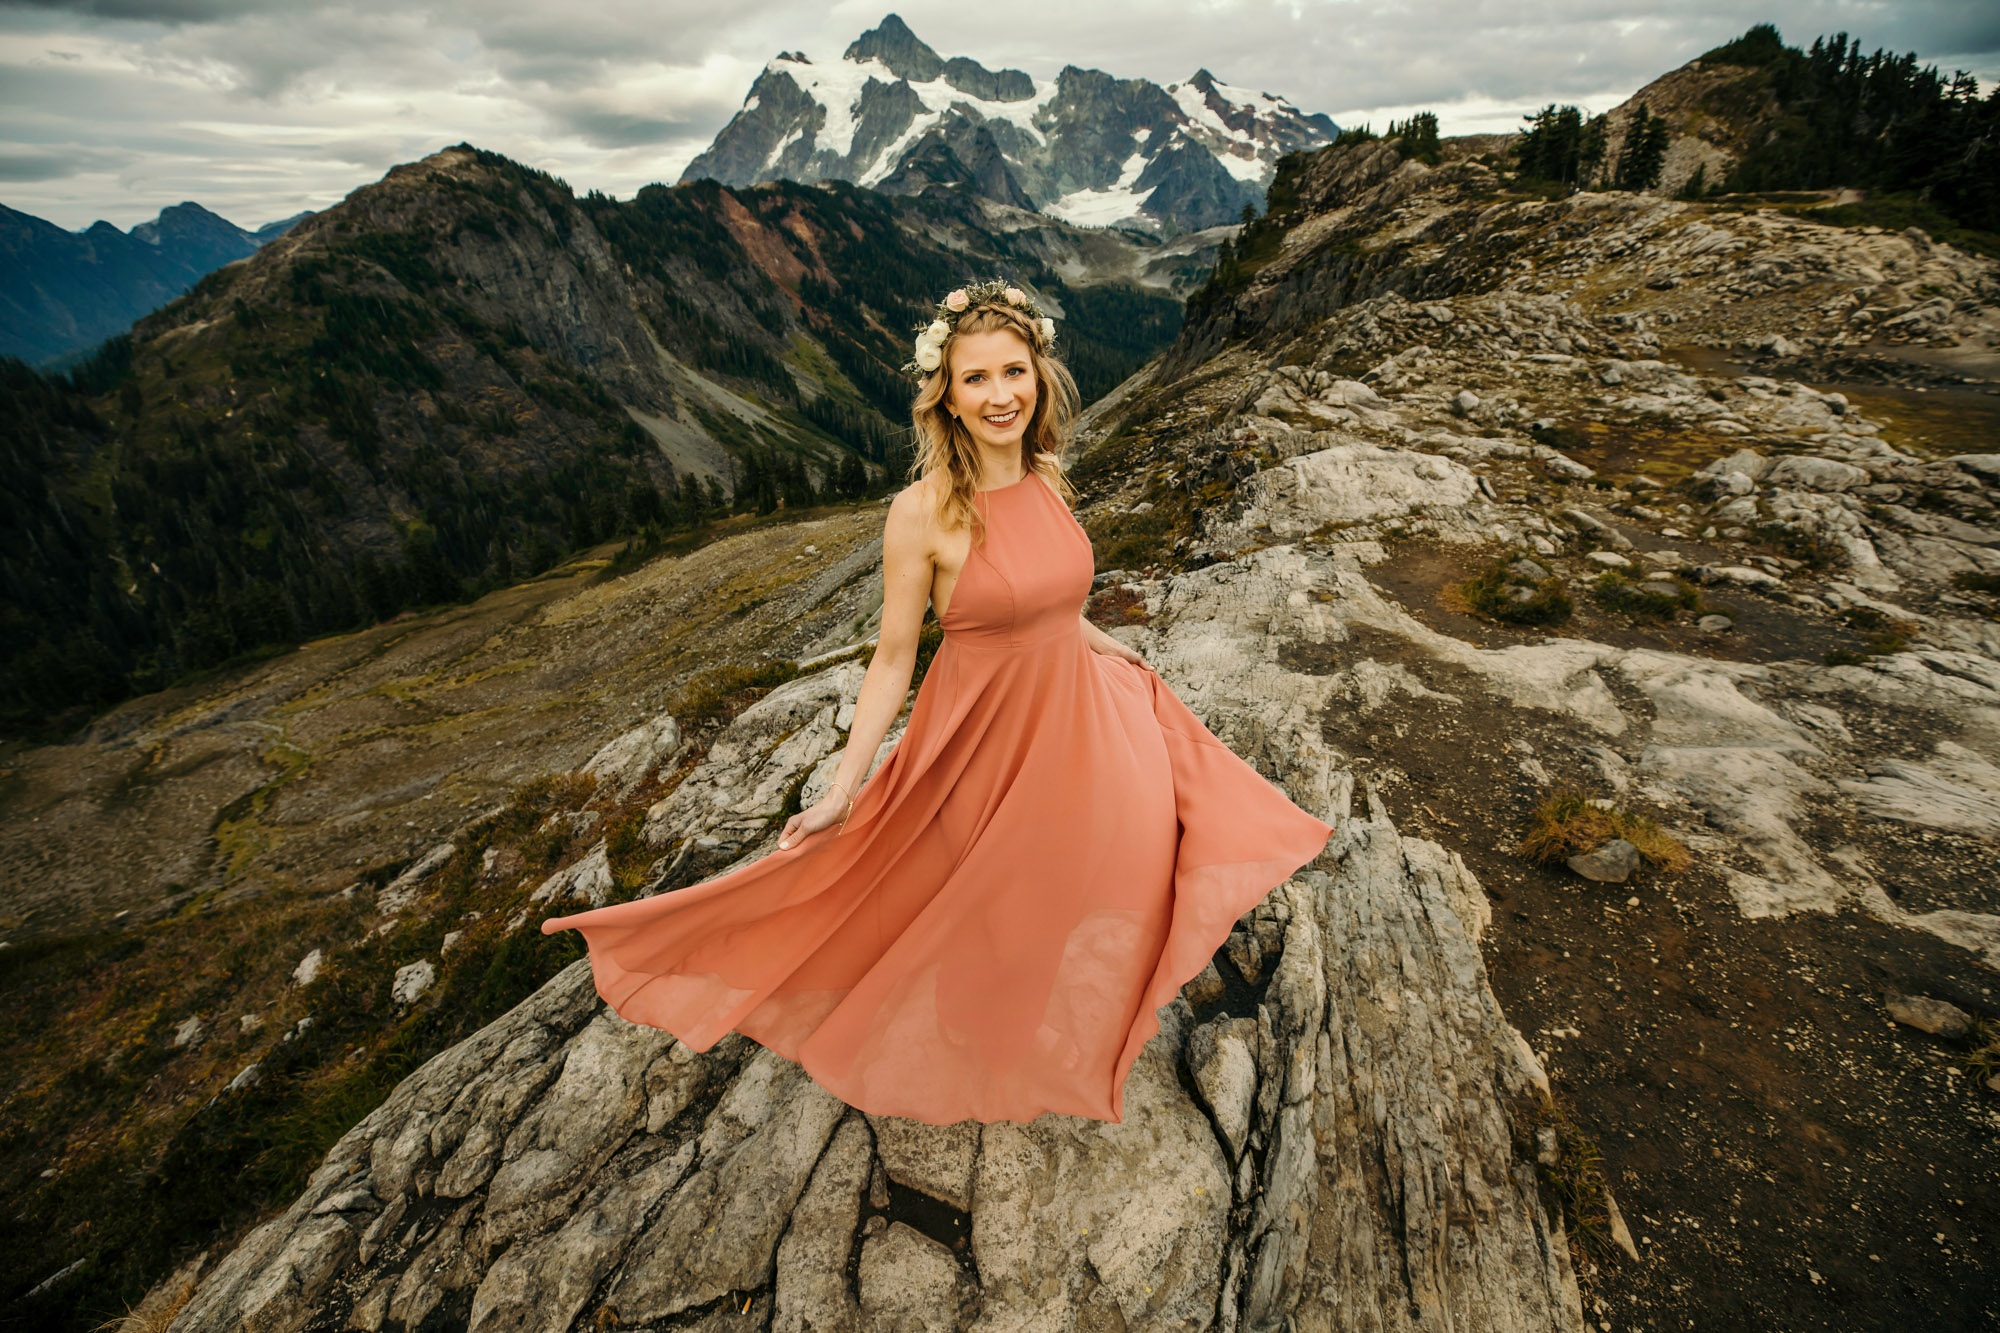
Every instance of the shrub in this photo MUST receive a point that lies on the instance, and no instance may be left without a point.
(1983, 1061)
(1574, 1183)
(1808, 548)
(1882, 635)
(726, 691)
(1501, 593)
(1117, 606)
(1969, 581)
(1568, 823)
(1614, 590)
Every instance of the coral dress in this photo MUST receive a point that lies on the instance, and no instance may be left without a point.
(1054, 847)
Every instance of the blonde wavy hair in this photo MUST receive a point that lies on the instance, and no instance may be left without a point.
(946, 447)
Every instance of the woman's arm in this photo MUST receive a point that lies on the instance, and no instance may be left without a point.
(906, 591)
(1101, 642)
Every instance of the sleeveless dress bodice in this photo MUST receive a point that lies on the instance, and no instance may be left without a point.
(1027, 580)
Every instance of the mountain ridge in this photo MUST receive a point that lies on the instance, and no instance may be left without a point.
(1084, 146)
(62, 292)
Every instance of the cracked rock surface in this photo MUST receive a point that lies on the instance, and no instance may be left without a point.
(1325, 1137)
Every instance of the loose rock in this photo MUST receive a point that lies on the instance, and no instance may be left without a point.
(1613, 863)
(1940, 1018)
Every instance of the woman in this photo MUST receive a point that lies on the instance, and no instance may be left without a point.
(986, 928)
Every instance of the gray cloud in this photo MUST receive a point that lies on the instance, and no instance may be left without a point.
(37, 164)
(115, 107)
(153, 11)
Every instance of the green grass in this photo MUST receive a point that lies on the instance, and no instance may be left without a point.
(1573, 1185)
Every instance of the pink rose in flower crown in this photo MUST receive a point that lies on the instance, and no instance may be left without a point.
(957, 300)
(1015, 296)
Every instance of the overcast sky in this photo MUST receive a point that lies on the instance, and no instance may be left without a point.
(115, 108)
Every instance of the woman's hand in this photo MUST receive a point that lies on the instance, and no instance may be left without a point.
(824, 813)
(1100, 642)
(1111, 647)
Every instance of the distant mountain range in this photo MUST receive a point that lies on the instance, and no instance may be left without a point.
(63, 292)
(1086, 147)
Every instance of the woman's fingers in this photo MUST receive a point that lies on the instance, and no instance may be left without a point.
(790, 831)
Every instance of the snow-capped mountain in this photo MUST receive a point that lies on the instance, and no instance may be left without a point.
(1084, 147)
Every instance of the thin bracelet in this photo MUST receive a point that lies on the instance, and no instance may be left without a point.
(850, 805)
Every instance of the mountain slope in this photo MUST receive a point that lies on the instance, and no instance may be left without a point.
(1756, 115)
(1085, 147)
(461, 372)
(63, 292)
(1603, 496)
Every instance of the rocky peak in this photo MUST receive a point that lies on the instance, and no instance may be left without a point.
(1002, 85)
(184, 221)
(891, 43)
(969, 158)
(66, 291)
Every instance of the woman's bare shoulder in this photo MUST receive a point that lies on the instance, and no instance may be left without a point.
(913, 510)
(1049, 461)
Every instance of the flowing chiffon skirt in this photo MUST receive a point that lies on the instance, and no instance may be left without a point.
(1052, 849)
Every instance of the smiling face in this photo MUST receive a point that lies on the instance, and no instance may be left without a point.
(992, 387)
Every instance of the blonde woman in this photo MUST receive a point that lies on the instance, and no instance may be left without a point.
(986, 927)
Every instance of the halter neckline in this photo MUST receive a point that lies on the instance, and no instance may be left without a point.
(1009, 486)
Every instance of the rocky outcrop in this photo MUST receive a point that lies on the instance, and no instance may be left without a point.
(1363, 224)
(1321, 1131)
(1338, 1143)
(1373, 387)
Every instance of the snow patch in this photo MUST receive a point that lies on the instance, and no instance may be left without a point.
(1101, 208)
(797, 132)
(838, 86)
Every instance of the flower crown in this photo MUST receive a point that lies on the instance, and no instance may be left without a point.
(994, 291)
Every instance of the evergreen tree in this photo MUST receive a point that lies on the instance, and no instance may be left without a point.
(1644, 153)
(1552, 148)
(1590, 152)
(1877, 122)
(1417, 138)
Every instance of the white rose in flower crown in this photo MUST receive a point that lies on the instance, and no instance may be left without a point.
(929, 354)
(1048, 329)
(938, 331)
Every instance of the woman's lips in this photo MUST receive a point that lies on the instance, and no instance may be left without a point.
(1006, 420)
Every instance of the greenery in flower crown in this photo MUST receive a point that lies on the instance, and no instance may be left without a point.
(944, 318)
